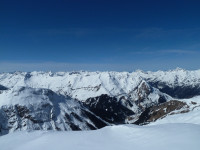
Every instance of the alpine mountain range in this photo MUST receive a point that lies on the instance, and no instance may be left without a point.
(84, 100)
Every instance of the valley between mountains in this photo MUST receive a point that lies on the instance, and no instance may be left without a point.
(66, 101)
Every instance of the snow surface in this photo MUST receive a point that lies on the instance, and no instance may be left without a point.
(122, 137)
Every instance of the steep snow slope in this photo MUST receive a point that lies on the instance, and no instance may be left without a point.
(165, 137)
(25, 108)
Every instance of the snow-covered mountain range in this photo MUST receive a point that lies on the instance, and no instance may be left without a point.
(91, 100)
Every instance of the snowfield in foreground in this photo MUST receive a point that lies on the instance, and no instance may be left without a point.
(122, 137)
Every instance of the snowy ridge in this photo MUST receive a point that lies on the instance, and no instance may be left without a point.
(76, 84)
(79, 85)
(25, 108)
(178, 76)
(83, 85)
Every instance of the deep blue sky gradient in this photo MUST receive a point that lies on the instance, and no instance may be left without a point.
(117, 35)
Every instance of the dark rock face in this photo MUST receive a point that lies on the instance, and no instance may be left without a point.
(27, 76)
(108, 108)
(21, 117)
(155, 112)
(178, 91)
(143, 91)
(3, 88)
(124, 108)
(97, 121)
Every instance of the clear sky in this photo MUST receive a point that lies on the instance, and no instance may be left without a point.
(118, 35)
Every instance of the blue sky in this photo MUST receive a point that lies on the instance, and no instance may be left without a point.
(118, 35)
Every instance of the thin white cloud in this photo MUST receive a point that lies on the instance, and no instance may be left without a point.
(170, 51)
(178, 51)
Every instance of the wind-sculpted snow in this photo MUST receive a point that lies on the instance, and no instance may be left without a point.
(158, 137)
